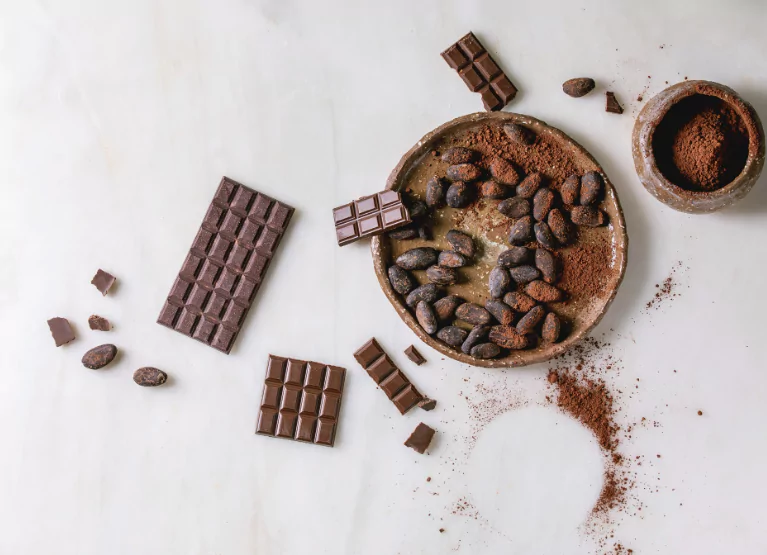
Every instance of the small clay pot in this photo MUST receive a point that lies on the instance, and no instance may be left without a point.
(673, 195)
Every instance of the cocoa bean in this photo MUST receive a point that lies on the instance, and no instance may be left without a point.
(452, 335)
(473, 314)
(500, 311)
(149, 377)
(404, 233)
(530, 185)
(559, 226)
(551, 328)
(571, 190)
(508, 337)
(452, 259)
(426, 317)
(417, 208)
(485, 350)
(493, 190)
(498, 282)
(441, 275)
(591, 187)
(100, 356)
(578, 87)
(428, 292)
(514, 207)
(435, 192)
(524, 274)
(588, 216)
(522, 231)
(463, 172)
(543, 201)
(504, 172)
(519, 134)
(424, 232)
(519, 301)
(419, 258)
(477, 334)
(528, 322)
(514, 257)
(458, 155)
(401, 280)
(544, 235)
(547, 264)
(543, 292)
(461, 243)
(445, 307)
(459, 195)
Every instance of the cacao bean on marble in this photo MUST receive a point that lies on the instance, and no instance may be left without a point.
(149, 377)
(100, 356)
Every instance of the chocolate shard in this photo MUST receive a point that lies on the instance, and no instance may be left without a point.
(99, 323)
(103, 281)
(413, 354)
(61, 331)
(427, 404)
(387, 376)
(371, 215)
(611, 104)
(420, 439)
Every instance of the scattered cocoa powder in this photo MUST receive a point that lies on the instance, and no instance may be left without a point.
(667, 289)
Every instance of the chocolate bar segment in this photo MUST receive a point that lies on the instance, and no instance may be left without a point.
(370, 215)
(413, 354)
(420, 439)
(226, 265)
(301, 400)
(61, 331)
(389, 378)
(480, 72)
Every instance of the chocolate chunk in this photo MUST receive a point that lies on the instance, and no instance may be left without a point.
(459, 195)
(458, 155)
(522, 231)
(413, 354)
(477, 334)
(551, 328)
(544, 235)
(519, 134)
(441, 275)
(515, 207)
(428, 292)
(452, 259)
(485, 350)
(463, 172)
(404, 233)
(226, 265)
(559, 226)
(504, 172)
(498, 282)
(519, 301)
(530, 185)
(419, 258)
(301, 400)
(387, 376)
(149, 377)
(420, 439)
(367, 216)
(508, 337)
(100, 356)
(61, 331)
(452, 335)
(416, 207)
(591, 187)
(427, 404)
(611, 104)
(103, 281)
(578, 87)
(524, 274)
(401, 280)
(473, 314)
(445, 307)
(98, 323)
(543, 201)
(588, 216)
(547, 264)
(435, 192)
(543, 292)
(426, 317)
(493, 190)
(571, 190)
(529, 321)
(460, 242)
(500, 311)
(514, 257)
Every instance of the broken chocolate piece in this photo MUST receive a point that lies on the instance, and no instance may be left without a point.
(427, 404)
(61, 331)
(103, 281)
(611, 104)
(98, 323)
(420, 439)
(388, 377)
(413, 354)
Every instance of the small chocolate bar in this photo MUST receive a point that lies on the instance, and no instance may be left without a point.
(480, 72)
(370, 215)
(420, 439)
(389, 378)
(413, 354)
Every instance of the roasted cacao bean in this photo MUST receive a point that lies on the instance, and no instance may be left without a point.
(524, 274)
(485, 350)
(522, 231)
(404, 233)
(473, 314)
(591, 187)
(551, 328)
(463, 172)
(100, 356)
(514, 207)
(445, 307)
(435, 192)
(461, 243)
(508, 337)
(530, 185)
(543, 201)
(559, 226)
(498, 282)
(519, 134)
(459, 195)
(514, 257)
(458, 155)
(149, 377)
(588, 216)
(419, 258)
(401, 280)
(544, 235)
(494, 190)
(519, 301)
(543, 292)
(426, 317)
(500, 311)
(441, 275)
(453, 335)
(528, 322)
(578, 87)
(477, 334)
(428, 292)
(547, 264)
(571, 190)
(452, 259)
(504, 172)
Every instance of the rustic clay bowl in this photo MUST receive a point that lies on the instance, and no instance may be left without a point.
(419, 165)
(676, 197)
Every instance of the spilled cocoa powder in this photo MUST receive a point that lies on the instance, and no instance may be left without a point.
(666, 290)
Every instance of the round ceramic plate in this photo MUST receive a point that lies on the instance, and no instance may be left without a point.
(583, 308)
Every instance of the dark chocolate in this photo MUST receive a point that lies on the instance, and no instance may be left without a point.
(99, 323)
(61, 331)
(427, 404)
(371, 215)
(103, 281)
(611, 104)
(389, 378)
(420, 439)
(413, 354)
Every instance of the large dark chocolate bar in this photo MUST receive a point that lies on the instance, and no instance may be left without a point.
(301, 400)
(225, 265)
(368, 216)
(480, 72)
(389, 378)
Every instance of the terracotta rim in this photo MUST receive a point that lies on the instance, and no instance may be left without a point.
(380, 253)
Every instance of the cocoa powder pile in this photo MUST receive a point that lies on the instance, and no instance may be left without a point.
(701, 144)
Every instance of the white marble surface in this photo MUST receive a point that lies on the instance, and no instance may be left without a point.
(113, 112)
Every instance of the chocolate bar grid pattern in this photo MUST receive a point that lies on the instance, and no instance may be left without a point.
(370, 215)
(225, 265)
(480, 72)
(301, 400)
(389, 378)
